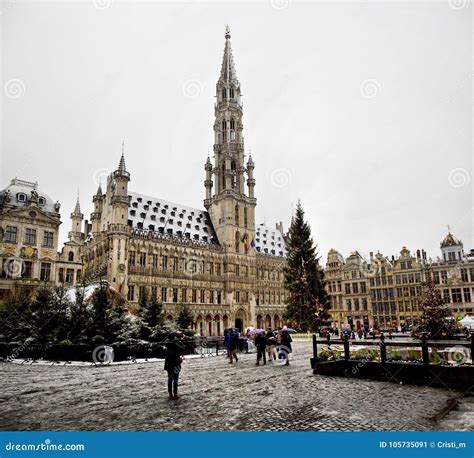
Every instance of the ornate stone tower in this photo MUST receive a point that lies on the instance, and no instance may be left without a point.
(75, 234)
(118, 230)
(96, 216)
(230, 203)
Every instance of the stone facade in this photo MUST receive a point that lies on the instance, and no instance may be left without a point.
(383, 292)
(29, 237)
(217, 260)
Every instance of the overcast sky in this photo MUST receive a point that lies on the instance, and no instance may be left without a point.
(361, 110)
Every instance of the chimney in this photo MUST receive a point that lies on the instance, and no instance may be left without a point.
(418, 254)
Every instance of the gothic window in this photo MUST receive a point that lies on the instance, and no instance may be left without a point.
(70, 256)
(237, 215)
(245, 217)
(237, 241)
(231, 93)
(223, 93)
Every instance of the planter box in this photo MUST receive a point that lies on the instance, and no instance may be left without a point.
(458, 377)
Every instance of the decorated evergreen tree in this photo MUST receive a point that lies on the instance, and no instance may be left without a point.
(436, 321)
(185, 317)
(307, 305)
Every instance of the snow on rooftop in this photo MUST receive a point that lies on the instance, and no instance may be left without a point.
(269, 241)
(167, 218)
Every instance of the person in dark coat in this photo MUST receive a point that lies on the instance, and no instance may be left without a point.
(173, 359)
(232, 344)
(261, 344)
(271, 344)
(285, 346)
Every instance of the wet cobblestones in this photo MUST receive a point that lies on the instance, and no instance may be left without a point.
(216, 396)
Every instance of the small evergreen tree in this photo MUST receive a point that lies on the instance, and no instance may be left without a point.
(436, 321)
(185, 317)
(109, 316)
(151, 317)
(307, 304)
(79, 318)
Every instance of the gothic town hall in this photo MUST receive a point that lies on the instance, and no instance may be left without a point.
(228, 269)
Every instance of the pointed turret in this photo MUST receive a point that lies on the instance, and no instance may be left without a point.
(228, 73)
(75, 235)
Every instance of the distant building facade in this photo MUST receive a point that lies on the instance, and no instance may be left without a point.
(29, 237)
(384, 292)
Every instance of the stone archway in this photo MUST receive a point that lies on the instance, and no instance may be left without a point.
(259, 321)
(208, 325)
(268, 321)
(276, 322)
(240, 320)
(199, 324)
(217, 325)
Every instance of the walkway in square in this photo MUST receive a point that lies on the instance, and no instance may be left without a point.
(218, 396)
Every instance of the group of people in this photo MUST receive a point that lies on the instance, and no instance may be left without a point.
(275, 344)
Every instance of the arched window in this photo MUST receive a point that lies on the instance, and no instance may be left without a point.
(224, 130)
(237, 242)
(233, 166)
(231, 90)
(232, 130)
(70, 256)
(237, 215)
(224, 93)
(245, 217)
(232, 124)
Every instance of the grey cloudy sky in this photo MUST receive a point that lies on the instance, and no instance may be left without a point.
(362, 110)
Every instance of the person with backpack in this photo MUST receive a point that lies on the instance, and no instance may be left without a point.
(271, 344)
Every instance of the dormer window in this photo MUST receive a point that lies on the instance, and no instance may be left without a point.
(143, 215)
(135, 205)
(21, 197)
(146, 207)
(133, 212)
(153, 217)
(151, 227)
(42, 201)
(149, 202)
(139, 199)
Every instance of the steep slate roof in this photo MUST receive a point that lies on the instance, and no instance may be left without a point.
(159, 215)
(269, 241)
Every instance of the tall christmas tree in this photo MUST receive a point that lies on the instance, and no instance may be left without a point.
(436, 321)
(307, 305)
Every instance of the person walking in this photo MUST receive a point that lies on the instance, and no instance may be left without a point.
(233, 342)
(271, 344)
(173, 359)
(261, 343)
(285, 346)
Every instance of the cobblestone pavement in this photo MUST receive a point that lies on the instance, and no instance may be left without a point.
(217, 396)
